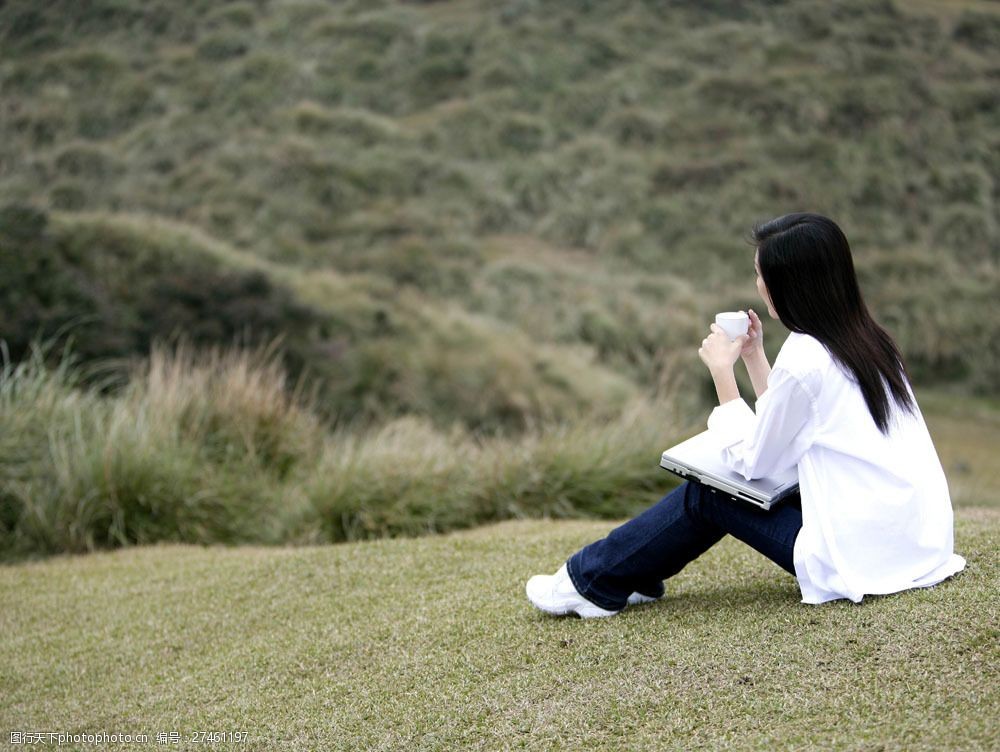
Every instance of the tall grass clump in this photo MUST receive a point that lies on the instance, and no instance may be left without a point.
(406, 478)
(194, 448)
(218, 447)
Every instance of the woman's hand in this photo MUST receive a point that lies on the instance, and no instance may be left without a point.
(718, 352)
(755, 337)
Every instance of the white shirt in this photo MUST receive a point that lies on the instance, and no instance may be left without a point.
(876, 512)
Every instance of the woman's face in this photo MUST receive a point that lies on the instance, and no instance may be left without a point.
(762, 289)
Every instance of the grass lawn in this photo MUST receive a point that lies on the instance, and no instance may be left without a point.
(430, 644)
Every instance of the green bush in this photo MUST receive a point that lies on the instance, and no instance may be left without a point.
(359, 126)
(85, 161)
(443, 67)
(523, 134)
(213, 448)
(114, 299)
(240, 15)
(193, 450)
(406, 478)
(223, 46)
(981, 31)
(68, 195)
(966, 230)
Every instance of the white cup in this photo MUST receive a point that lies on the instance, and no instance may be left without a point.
(733, 323)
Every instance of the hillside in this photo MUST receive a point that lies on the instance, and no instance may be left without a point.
(538, 204)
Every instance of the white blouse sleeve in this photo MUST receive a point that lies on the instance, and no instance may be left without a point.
(772, 440)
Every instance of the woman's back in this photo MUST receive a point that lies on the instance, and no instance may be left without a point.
(876, 510)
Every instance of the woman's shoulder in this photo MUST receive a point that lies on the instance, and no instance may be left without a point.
(806, 360)
(801, 354)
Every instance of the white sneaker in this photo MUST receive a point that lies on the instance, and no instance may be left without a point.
(636, 598)
(555, 594)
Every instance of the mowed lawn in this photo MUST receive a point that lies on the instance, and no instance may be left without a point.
(430, 644)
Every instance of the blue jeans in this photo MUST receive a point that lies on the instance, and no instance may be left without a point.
(657, 544)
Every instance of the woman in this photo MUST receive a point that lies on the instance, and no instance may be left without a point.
(873, 514)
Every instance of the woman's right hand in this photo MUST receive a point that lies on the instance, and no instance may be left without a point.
(755, 342)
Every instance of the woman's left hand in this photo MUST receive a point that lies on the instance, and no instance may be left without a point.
(717, 351)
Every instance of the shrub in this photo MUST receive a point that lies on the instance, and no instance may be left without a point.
(115, 297)
(85, 161)
(240, 15)
(69, 196)
(523, 134)
(116, 110)
(193, 450)
(221, 46)
(40, 295)
(697, 175)
(256, 84)
(372, 32)
(465, 129)
(212, 448)
(634, 127)
(41, 125)
(406, 478)
(444, 64)
(360, 126)
(965, 232)
(86, 67)
(981, 31)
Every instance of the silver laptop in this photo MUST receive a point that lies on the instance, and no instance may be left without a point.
(700, 458)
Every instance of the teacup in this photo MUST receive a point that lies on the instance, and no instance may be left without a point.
(733, 323)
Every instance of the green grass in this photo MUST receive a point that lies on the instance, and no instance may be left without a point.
(430, 644)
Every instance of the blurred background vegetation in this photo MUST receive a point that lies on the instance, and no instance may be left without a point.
(446, 239)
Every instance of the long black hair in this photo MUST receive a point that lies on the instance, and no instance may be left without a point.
(806, 264)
